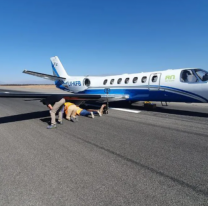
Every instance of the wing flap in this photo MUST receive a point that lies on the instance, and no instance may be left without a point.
(44, 76)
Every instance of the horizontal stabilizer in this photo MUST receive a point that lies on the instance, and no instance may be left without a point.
(45, 76)
(41, 96)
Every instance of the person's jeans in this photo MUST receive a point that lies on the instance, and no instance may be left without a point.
(84, 112)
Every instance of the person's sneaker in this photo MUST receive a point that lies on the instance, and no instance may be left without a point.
(92, 115)
(68, 119)
(99, 113)
(53, 126)
(60, 122)
(73, 119)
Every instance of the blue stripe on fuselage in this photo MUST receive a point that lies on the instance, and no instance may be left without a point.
(152, 95)
(182, 91)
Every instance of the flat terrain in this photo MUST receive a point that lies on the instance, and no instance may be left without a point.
(32, 88)
(151, 158)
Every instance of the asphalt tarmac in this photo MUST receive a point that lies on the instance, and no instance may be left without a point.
(155, 157)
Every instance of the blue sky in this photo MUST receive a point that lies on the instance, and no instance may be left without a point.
(98, 37)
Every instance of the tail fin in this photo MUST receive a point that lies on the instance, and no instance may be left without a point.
(58, 69)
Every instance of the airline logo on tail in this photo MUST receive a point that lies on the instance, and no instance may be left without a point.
(58, 68)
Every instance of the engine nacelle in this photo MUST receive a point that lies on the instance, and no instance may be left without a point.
(78, 84)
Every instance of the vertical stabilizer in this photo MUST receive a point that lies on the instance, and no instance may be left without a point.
(57, 67)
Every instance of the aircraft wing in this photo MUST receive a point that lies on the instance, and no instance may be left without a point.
(69, 97)
(45, 76)
(42, 96)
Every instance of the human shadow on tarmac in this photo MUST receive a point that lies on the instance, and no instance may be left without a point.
(46, 120)
(22, 117)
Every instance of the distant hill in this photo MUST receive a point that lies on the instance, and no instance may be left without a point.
(28, 82)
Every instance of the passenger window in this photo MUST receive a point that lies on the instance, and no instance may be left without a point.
(154, 78)
(188, 76)
(135, 79)
(203, 75)
(126, 80)
(144, 79)
(105, 81)
(119, 81)
(112, 80)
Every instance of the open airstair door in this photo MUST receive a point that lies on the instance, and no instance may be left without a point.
(154, 81)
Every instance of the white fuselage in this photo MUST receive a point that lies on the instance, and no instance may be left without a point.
(180, 85)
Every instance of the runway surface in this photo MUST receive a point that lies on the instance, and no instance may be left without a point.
(150, 158)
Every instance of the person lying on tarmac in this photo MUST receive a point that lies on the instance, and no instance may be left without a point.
(98, 111)
(83, 112)
(55, 103)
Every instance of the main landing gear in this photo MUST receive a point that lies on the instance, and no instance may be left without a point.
(149, 105)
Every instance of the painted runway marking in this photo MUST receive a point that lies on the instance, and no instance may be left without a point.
(6, 92)
(119, 109)
(125, 110)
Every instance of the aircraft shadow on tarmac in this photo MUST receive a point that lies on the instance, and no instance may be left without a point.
(29, 100)
(167, 110)
(44, 115)
(164, 109)
(22, 117)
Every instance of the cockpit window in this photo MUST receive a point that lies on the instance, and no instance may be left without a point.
(188, 76)
(203, 75)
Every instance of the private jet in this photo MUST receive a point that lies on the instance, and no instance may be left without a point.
(173, 85)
